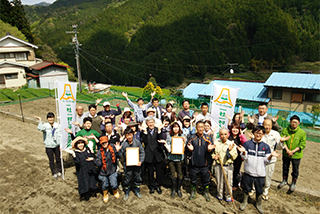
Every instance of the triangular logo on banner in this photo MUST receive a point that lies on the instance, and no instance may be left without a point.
(224, 97)
(67, 93)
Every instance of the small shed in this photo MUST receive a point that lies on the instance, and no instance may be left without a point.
(49, 72)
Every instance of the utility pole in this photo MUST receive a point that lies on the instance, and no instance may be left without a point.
(76, 45)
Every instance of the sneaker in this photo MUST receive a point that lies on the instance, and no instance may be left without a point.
(59, 174)
(219, 198)
(55, 176)
(265, 197)
(229, 200)
(251, 193)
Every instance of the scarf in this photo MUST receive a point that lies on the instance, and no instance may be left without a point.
(104, 160)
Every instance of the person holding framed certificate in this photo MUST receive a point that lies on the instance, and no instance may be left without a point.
(175, 144)
(133, 154)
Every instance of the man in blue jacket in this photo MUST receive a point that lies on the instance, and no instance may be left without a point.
(256, 155)
(200, 146)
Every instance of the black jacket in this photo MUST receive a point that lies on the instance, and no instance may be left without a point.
(153, 149)
(113, 139)
(200, 156)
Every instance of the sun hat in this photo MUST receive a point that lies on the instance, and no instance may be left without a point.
(73, 143)
(106, 103)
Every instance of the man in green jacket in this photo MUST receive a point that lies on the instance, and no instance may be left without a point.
(293, 151)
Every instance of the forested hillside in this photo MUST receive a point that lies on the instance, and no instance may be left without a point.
(129, 40)
(12, 13)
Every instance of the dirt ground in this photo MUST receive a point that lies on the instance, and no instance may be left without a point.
(26, 185)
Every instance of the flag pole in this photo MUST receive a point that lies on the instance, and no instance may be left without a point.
(59, 122)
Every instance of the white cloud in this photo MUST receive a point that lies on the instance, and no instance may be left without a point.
(31, 2)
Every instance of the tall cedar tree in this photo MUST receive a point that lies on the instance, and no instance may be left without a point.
(12, 12)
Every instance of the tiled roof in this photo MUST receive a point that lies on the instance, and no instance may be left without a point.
(45, 64)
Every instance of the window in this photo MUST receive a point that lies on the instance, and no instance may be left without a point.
(2, 79)
(11, 76)
(21, 56)
(312, 97)
(277, 94)
(296, 97)
(6, 55)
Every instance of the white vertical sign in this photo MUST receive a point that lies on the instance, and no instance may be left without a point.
(223, 102)
(67, 93)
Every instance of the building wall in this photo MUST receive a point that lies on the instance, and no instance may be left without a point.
(286, 104)
(11, 46)
(51, 74)
(16, 82)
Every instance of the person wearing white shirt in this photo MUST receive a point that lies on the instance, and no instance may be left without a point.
(204, 115)
(275, 142)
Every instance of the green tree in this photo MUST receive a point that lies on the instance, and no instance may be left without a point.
(147, 90)
(13, 13)
(71, 76)
(315, 110)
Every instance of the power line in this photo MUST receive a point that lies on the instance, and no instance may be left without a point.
(96, 68)
(116, 67)
(156, 69)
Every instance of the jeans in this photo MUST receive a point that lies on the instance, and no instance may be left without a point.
(54, 153)
(132, 172)
(295, 167)
(258, 184)
(204, 172)
(176, 166)
(110, 178)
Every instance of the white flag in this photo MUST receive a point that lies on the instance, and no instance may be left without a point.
(67, 93)
(223, 102)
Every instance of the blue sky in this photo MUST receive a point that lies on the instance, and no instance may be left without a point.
(31, 2)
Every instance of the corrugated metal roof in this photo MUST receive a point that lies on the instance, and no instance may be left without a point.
(192, 90)
(251, 91)
(294, 80)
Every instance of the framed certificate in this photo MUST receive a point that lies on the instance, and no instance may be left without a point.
(132, 156)
(177, 146)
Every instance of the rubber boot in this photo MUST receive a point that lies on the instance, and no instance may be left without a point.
(206, 193)
(174, 187)
(127, 191)
(258, 204)
(293, 185)
(116, 193)
(105, 196)
(179, 183)
(137, 191)
(193, 192)
(283, 183)
(245, 201)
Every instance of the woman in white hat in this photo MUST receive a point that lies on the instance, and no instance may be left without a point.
(86, 171)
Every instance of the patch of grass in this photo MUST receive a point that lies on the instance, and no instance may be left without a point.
(10, 94)
(3, 97)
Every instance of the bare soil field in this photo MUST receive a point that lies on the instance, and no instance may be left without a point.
(26, 185)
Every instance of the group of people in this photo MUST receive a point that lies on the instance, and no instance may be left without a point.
(99, 150)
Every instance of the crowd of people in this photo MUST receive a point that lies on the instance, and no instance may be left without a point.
(99, 148)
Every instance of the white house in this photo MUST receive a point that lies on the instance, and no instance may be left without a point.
(19, 65)
(15, 56)
(46, 73)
